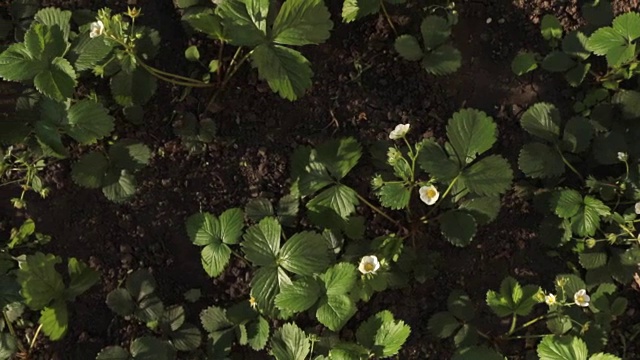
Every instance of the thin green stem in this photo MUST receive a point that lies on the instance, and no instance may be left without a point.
(386, 15)
(35, 337)
(514, 321)
(228, 76)
(527, 336)
(173, 78)
(533, 321)
(379, 211)
(566, 162)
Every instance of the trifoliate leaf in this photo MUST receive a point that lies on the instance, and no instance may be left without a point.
(458, 227)
(550, 27)
(135, 88)
(490, 176)
(286, 71)
(339, 156)
(89, 121)
(442, 61)
(187, 338)
(58, 81)
(55, 17)
(113, 353)
(357, 9)
(16, 64)
(484, 209)
(460, 305)
(408, 47)
(82, 278)
(443, 324)
(151, 348)
(542, 120)
(305, 253)
(120, 301)
(90, 170)
(512, 298)
(575, 44)
(231, 225)
(566, 203)
(215, 257)
(302, 22)
(628, 25)
(262, 242)
(394, 195)
(129, 155)
(471, 133)
(557, 61)
(562, 348)
(40, 281)
(203, 229)
(607, 41)
(523, 63)
(435, 31)
(335, 310)
(290, 343)
(539, 160)
(299, 296)
(55, 320)
(577, 135)
(245, 21)
(119, 186)
(435, 161)
(339, 198)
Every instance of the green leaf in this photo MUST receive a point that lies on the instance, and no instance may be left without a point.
(302, 22)
(339, 156)
(523, 63)
(214, 319)
(471, 133)
(629, 103)
(512, 298)
(305, 253)
(266, 284)
(575, 44)
(484, 209)
(258, 209)
(16, 64)
(550, 27)
(113, 353)
(286, 71)
(408, 47)
(335, 310)
(394, 195)
(593, 260)
(231, 225)
(55, 17)
(88, 122)
(90, 170)
(82, 278)
(215, 257)
(290, 343)
(192, 53)
(245, 21)
(258, 333)
(435, 31)
(577, 135)
(129, 155)
(140, 284)
(490, 176)
(466, 336)
(443, 324)
(458, 227)
(119, 186)
(603, 356)
(135, 88)
(187, 338)
(566, 203)
(442, 61)
(539, 160)
(262, 242)
(609, 42)
(339, 198)
(339, 279)
(557, 61)
(45, 43)
(205, 21)
(55, 320)
(40, 281)
(49, 137)
(88, 52)
(560, 325)
(628, 25)
(151, 348)
(299, 296)
(587, 221)
(120, 301)
(435, 161)
(390, 338)
(542, 120)
(357, 9)
(203, 229)
(576, 75)
(58, 81)
(460, 305)
(477, 353)
(562, 348)
(598, 13)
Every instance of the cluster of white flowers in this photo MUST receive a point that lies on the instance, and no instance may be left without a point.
(580, 298)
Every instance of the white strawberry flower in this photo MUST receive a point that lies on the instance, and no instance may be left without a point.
(623, 156)
(550, 299)
(581, 298)
(369, 264)
(429, 194)
(637, 208)
(96, 29)
(399, 132)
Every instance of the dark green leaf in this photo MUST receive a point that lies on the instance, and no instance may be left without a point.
(490, 176)
(539, 160)
(90, 170)
(290, 343)
(523, 63)
(458, 227)
(408, 47)
(286, 71)
(471, 133)
(542, 120)
(442, 61)
(435, 31)
(302, 22)
(305, 253)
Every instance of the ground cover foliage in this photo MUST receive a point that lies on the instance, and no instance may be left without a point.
(315, 256)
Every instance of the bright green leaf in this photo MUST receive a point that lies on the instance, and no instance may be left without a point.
(335, 311)
(40, 281)
(55, 320)
(305, 253)
(262, 242)
(119, 186)
(231, 225)
(286, 71)
(562, 348)
(302, 22)
(471, 133)
(290, 343)
(542, 120)
(394, 195)
(490, 176)
(550, 27)
(89, 121)
(299, 296)
(58, 81)
(82, 277)
(339, 198)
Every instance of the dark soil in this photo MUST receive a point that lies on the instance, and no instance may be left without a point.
(257, 133)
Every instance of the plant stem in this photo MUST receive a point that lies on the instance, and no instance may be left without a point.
(566, 162)
(13, 332)
(228, 76)
(514, 321)
(531, 322)
(377, 209)
(386, 15)
(527, 336)
(181, 80)
(35, 337)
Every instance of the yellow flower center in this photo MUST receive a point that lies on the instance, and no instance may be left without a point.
(580, 299)
(431, 193)
(368, 267)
